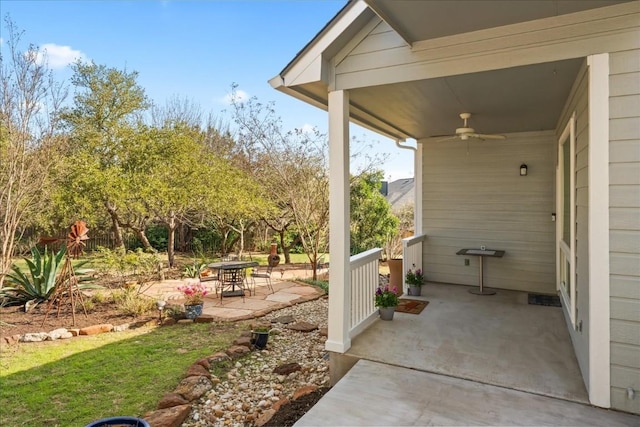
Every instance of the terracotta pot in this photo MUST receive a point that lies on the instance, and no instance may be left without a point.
(395, 274)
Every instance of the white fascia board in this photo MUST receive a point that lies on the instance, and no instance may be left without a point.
(321, 42)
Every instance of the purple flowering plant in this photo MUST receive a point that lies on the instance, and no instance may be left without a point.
(414, 277)
(386, 297)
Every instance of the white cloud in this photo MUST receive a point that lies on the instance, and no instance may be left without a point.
(308, 129)
(238, 96)
(58, 56)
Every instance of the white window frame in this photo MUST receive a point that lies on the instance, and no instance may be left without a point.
(566, 254)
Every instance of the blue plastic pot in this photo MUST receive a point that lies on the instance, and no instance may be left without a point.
(119, 421)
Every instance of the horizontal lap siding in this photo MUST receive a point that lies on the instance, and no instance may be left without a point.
(624, 201)
(479, 198)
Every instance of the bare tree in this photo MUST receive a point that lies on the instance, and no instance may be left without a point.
(29, 103)
(292, 167)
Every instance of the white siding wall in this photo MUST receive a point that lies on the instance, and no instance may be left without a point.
(578, 102)
(624, 199)
(478, 198)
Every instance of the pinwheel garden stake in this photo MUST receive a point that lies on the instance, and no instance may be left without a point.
(67, 281)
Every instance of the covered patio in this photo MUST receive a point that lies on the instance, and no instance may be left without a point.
(464, 360)
(545, 170)
(498, 339)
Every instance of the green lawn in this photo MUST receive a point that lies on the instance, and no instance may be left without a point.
(76, 381)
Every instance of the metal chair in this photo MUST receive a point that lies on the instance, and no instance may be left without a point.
(265, 274)
(209, 276)
(234, 279)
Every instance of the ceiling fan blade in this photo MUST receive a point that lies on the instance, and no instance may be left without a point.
(448, 138)
(484, 136)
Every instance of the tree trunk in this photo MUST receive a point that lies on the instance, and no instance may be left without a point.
(286, 250)
(118, 241)
(171, 224)
(182, 244)
(143, 239)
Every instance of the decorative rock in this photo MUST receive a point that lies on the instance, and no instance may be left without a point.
(204, 318)
(197, 370)
(280, 403)
(205, 363)
(243, 341)
(96, 329)
(218, 357)
(75, 332)
(303, 327)
(34, 337)
(191, 388)
(121, 328)
(170, 400)
(169, 417)
(287, 368)
(57, 333)
(324, 332)
(265, 417)
(237, 351)
(303, 391)
(183, 321)
(284, 320)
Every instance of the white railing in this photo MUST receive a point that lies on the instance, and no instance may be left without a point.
(364, 282)
(411, 255)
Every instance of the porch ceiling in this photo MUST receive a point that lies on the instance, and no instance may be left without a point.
(505, 100)
(423, 20)
(518, 99)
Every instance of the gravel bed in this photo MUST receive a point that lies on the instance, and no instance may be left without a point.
(251, 388)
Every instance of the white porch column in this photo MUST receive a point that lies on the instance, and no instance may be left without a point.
(338, 339)
(599, 283)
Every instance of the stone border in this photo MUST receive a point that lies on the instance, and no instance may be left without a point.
(174, 407)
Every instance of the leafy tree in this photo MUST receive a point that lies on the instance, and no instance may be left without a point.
(371, 217)
(393, 244)
(103, 123)
(29, 102)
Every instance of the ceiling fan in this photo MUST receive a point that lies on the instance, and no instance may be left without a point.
(465, 132)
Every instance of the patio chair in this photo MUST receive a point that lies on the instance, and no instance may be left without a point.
(261, 273)
(232, 281)
(209, 276)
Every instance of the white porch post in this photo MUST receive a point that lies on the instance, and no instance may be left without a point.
(599, 283)
(338, 339)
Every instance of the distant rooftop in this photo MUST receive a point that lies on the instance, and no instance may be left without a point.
(399, 192)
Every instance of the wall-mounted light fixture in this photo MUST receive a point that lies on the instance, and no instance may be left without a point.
(523, 170)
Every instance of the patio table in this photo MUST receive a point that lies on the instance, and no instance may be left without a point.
(481, 253)
(232, 274)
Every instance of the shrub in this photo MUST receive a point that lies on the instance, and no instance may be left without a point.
(42, 279)
(131, 302)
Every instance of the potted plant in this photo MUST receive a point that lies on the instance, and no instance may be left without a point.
(415, 280)
(386, 301)
(260, 337)
(193, 295)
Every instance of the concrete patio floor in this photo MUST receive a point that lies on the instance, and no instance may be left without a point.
(465, 360)
(376, 394)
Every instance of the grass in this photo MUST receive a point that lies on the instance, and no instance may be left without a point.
(76, 381)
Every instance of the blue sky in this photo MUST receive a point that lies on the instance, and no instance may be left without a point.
(192, 49)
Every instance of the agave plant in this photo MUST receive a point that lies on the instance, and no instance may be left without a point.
(39, 283)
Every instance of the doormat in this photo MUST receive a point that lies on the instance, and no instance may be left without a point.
(412, 306)
(549, 300)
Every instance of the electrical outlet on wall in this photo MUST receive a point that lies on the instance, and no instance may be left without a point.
(466, 261)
